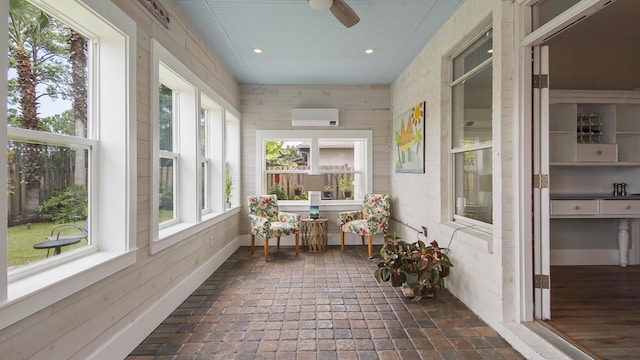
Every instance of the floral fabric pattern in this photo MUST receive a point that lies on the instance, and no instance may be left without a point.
(372, 219)
(267, 221)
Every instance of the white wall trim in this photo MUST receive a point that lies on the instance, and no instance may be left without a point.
(125, 341)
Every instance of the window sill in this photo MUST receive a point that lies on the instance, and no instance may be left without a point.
(33, 293)
(483, 233)
(176, 233)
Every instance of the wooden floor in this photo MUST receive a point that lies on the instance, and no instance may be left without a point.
(598, 309)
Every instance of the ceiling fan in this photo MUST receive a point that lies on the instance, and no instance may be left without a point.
(340, 9)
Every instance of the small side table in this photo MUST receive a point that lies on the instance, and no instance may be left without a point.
(314, 234)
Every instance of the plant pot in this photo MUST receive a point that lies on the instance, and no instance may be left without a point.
(326, 194)
(407, 291)
(347, 194)
(297, 192)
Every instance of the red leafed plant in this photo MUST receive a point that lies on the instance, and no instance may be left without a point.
(422, 268)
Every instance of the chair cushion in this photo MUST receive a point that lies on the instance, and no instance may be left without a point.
(282, 229)
(356, 227)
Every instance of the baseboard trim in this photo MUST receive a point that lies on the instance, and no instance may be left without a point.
(127, 339)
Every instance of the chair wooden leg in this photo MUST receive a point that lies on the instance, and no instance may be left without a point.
(342, 240)
(297, 241)
(362, 239)
(253, 242)
(266, 250)
(370, 245)
(278, 242)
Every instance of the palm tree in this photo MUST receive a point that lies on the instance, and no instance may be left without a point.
(78, 59)
(37, 53)
(26, 25)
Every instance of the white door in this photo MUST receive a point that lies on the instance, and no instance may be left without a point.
(542, 276)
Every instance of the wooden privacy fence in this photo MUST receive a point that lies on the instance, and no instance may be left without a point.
(53, 179)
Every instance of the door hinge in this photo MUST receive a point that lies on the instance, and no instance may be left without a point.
(540, 181)
(541, 281)
(540, 81)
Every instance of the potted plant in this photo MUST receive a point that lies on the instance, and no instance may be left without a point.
(346, 187)
(418, 268)
(326, 191)
(297, 189)
(279, 192)
(228, 188)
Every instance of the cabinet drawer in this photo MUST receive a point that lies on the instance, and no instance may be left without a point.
(574, 207)
(621, 207)
(597, 152)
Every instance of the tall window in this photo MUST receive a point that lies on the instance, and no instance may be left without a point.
(62, 207)
(471, 134)
(188, 162)
(336, 163)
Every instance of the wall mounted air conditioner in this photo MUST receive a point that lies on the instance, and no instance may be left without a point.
(314, 117)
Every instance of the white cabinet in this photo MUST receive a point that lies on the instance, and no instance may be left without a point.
(594, 127)
(594, 142)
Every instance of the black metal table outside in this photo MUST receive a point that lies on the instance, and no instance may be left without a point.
(56, 245)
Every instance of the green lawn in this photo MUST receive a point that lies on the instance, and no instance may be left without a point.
(22, 239)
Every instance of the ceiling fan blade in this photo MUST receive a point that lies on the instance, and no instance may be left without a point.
(344, 13)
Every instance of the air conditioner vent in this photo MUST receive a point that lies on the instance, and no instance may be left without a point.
(314, 117)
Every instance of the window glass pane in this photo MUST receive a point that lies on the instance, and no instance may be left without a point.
(204, 198)
(46, 188)
(473, 188)
(166, 118)
(202, 132)
(167, 190)
(47, 75)
(471, 113)
(341, 154)
(545, 10)
(474, 55)
(287, 155)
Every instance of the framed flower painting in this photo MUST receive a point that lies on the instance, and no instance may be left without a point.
(408, 131)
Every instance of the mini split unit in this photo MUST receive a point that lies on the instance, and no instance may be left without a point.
(314, 117)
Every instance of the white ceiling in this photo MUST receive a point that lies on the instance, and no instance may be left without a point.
(304, 46)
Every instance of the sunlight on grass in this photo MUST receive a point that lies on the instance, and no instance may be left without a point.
(21, 241)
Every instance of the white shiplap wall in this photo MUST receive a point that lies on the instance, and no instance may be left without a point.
(111, 317)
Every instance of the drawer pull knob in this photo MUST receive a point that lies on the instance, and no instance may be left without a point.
(576, 207)
(599, 152)
(628, 207)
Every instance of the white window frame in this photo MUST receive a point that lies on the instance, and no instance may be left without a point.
(454, 150)
(113, 154)
(263, 136)
(192, 95)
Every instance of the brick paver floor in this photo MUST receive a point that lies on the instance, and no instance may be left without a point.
(320, 306)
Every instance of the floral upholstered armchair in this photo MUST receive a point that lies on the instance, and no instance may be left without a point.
(267, 222)
(371, 220)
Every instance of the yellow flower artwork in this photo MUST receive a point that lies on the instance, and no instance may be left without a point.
(408, 129)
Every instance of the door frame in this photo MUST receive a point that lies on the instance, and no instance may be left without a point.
(530, 39)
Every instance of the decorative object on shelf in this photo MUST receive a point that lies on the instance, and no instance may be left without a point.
(297, 189)
(408, 129)
(417, 268)
(158, 11)
(314, 204)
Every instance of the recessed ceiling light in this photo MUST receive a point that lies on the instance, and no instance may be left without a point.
(257, 51)
(368, 51)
